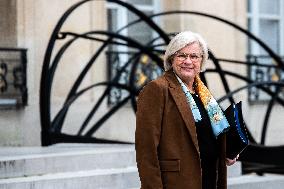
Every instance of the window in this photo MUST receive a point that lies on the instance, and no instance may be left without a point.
(118, 56)
(266, 21)
(119, 17)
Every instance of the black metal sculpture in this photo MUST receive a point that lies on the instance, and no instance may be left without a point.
(255, 159)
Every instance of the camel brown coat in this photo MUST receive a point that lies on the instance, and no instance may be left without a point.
(167, 151)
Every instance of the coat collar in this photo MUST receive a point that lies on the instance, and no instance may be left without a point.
(181, 102)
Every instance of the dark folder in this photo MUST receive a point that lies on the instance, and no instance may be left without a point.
(236, 136)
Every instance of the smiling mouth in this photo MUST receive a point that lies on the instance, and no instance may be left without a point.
(186, 68)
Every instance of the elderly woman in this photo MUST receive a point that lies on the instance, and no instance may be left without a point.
(179, 124)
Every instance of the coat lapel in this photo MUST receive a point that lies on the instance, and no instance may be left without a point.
(183, 107)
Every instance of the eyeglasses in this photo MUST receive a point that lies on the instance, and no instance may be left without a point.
(183, 56)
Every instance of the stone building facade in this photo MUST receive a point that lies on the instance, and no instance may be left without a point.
(29, 24)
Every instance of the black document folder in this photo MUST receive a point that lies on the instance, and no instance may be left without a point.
(236, 136)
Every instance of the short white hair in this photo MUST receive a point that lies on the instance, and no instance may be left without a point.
(180, 41)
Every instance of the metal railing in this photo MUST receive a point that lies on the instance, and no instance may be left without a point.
(118, 61)
(13, 82)
(262, 68)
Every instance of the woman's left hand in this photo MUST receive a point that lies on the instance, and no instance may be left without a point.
(230, 162)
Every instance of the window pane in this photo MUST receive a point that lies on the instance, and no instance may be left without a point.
(140, 32)
(112, 21)
(249, 6)
(112, 24)
(269, 33)
(249, 40)
(269, 6)
(140, 2)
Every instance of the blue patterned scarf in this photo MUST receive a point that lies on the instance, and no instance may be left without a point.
(218, 120)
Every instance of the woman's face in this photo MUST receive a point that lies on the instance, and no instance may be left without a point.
(186, 62)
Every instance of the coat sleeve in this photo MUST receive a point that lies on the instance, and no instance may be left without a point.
(149, 116)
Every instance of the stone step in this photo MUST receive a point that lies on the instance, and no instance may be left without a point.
(93, 166)
(29, 161)
(235, 170)
(253, 181)
(120, 178)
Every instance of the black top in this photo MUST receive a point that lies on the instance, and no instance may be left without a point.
(207, 147)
